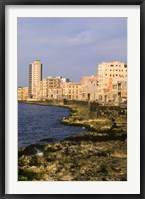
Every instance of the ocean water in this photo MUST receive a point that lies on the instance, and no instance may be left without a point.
(42, 124)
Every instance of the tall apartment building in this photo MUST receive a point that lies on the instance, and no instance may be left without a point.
(35, 76)
(111, 74)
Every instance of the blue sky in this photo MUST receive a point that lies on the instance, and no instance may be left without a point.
(69, 47)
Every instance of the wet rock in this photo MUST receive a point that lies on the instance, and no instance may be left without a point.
(47, 140)
(53, 148)
(87, 160)
(30, 150)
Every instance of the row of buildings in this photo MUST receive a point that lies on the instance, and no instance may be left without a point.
(109, 85)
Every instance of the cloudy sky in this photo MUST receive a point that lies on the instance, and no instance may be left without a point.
(69, 47)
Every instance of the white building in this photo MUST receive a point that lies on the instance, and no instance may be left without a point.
(109, 72)
(35, 76)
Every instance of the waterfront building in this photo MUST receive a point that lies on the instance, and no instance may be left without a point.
(118, 94)
(109, 86)
(23, 93)
(65, 80)
(35, 76)
(38, 95)
(109, 72)
(53, 82)
(72, 91)
(52, 88)
(20, 93)
(44, 87)
(89, 88)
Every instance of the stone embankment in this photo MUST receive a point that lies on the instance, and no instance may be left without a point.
(100, 155)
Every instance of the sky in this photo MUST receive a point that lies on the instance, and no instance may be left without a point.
(69, 47)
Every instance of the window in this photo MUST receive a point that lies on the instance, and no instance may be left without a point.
(100, 97)
(114, 96)
(114, 86)
(119, 94)
(119, 85)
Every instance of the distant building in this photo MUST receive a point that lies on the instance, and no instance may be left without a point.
(109, 86)
(108, 73)
(89, 88)
(118, 92)
(35, 76)
(72, 91)
(23, 93)
(65, 80)
(51, 88)
(38, 95)
(45, 89)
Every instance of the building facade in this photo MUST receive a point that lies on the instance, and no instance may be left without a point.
(109, 86)
(109, 74)
(23, 93)
(72, 91)
(54, 88)
(89, 88)
(35, 76)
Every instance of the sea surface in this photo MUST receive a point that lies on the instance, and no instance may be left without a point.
(42, 124)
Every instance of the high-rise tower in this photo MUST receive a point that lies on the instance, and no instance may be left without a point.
(35, 76)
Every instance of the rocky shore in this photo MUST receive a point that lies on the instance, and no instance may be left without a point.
(100, 155)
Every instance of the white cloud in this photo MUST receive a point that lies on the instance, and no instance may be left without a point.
(80, 38)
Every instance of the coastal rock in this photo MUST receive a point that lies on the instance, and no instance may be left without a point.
(30, 150)
(99, 155)
(47, 140)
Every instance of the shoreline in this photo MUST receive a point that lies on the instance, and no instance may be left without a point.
(100, 154)
(87, 121)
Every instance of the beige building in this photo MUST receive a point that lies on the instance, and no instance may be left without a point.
(108, 73)
(52, 88)
(35, 76)
(38, 95)
(108, 86)
(118, 93)
(23, 93)
(72, 91)
(89, 88)
(44, 88)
